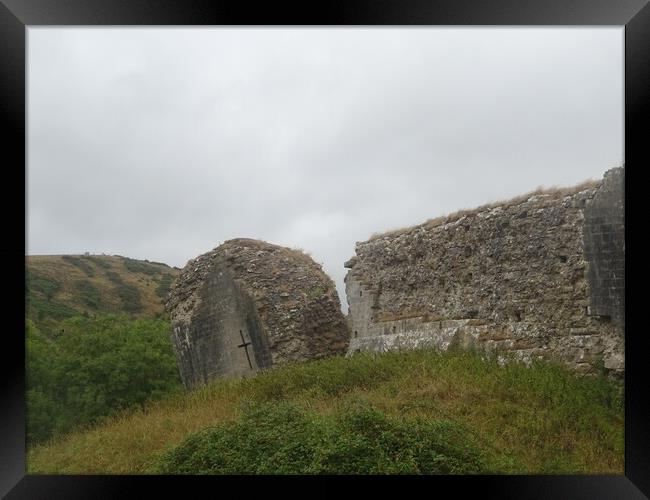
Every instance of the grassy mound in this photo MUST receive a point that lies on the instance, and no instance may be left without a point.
(398, 412)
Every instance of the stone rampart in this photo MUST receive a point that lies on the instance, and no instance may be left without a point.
(540, 276)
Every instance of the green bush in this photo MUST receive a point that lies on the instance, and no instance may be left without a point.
(80, 263)
(163, 287)
(101, 262)
(41, 309)
(283, 438)
(95, 368)
(36, 283)
(113, 277)
(130, 297)
(330, 376)
(137, 266)
(129, 294)
(90, 295)
(157, 263)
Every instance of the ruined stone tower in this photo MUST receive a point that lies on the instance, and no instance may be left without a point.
(541, 276)
(248, 305)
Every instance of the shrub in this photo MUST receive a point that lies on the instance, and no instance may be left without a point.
(41, 284)
(80, 263)
(113, 277)
(97, 367)
(130, 297)
(90, 295)
(163, 287)
(157, 263)
(101, 262)
(41, 309)
(331, 376)
(124, 291)
(129, 294)
(136, 266)
(286, 439)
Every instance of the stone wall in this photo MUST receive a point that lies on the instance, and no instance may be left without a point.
(247, 291)
(604, 237)
(540, 276)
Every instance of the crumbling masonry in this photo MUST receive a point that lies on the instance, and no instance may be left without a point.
(248, 305)
(540, 277)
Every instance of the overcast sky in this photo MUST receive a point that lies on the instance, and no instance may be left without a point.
(160, 144)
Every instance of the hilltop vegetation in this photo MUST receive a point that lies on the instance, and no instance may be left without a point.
(64, 286)
(398, 412)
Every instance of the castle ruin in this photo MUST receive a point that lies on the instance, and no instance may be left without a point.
(540, 276)
(248, 305)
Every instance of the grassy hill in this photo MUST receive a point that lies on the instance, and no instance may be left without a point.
(96, 338)
(398, 412)
(62, 286)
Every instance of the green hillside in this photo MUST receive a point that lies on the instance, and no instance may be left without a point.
(96, 338)
(63, 286)
(399, 412)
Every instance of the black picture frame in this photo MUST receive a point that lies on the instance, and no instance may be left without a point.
(17, 15)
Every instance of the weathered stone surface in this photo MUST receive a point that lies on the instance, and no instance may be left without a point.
(246, 290)
(540, 276)
(604, 238)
